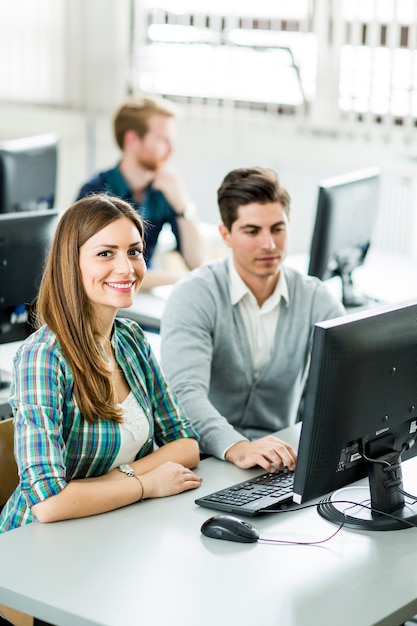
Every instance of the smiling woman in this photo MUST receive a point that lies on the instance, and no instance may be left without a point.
(112, 268)
(91, 406)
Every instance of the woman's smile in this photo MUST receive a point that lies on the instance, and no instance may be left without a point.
(124, 286)
(112, 267)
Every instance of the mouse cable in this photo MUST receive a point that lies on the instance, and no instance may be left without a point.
(300, 543)
(297, 543)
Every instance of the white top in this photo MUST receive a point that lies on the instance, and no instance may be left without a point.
(134, 431)
(260, 321)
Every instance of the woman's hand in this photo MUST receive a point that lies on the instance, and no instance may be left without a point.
(168, 479)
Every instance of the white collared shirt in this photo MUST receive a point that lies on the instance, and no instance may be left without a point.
(260, 322)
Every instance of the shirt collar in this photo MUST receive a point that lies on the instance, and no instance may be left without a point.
(238, 289)
(116, 182)
(120, 187)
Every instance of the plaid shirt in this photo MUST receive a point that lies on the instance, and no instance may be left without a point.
(53, 443)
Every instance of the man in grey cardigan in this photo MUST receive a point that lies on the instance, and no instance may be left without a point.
(236, 334)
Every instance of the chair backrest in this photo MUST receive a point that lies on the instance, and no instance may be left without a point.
(8, 469)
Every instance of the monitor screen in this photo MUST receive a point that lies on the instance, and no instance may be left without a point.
(346, 213)
(360, 412)
(24, 240)
(28, 173)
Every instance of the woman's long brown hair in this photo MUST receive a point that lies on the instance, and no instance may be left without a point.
(63, 305)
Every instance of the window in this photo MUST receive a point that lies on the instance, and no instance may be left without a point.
(325, 60)
(281, 56)
(378, 62)
(261, 60)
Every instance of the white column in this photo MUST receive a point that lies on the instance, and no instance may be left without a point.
(328, 27)
(97, 53)
(97, 62)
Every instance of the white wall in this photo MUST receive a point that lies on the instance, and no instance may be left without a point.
(210, 143)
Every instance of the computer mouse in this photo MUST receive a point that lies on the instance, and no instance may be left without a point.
(230, 528)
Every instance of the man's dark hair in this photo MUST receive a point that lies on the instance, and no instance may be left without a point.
(243, 186)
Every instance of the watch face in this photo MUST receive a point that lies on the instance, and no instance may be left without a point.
(127, 469)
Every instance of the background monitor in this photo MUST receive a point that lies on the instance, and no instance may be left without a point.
(28, 173)
(360, 413)
(347, 208)
(24, 240)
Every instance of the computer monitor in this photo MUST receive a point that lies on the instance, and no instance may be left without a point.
(346, 213)
(24, 240)
(360, 414)
(28, 173)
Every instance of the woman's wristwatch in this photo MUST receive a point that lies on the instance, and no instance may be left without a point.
(129, 471)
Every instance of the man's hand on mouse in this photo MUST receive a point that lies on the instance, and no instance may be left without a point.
(269, 452)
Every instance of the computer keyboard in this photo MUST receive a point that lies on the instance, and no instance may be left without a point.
(265, 491)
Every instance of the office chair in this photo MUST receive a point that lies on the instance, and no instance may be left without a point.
(8, 482)
(8, 468)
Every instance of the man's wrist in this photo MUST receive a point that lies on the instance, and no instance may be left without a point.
(189, 212)
(230, 457)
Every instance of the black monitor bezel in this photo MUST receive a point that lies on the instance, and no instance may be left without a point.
(23, 252)
(22, 158)
(323, 435)
(343, 232)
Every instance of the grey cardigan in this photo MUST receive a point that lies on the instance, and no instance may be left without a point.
(206, 356)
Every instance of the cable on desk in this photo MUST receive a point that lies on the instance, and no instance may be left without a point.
(298, 543)
(338, 517)
(328, 510)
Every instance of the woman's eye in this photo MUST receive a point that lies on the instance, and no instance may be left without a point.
(136, 252)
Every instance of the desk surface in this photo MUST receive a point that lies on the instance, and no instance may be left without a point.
(385, 276)
(148, 564)
(7, 352)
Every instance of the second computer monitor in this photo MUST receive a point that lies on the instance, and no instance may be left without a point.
(347, 209)
(28, 173)
(25, 238)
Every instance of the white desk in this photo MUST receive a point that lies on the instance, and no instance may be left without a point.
(386, 276)
(149, 565)
(7, 352)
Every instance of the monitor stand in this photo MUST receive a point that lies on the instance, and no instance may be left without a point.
(350, 297)
(385, 504)
(345, 262)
